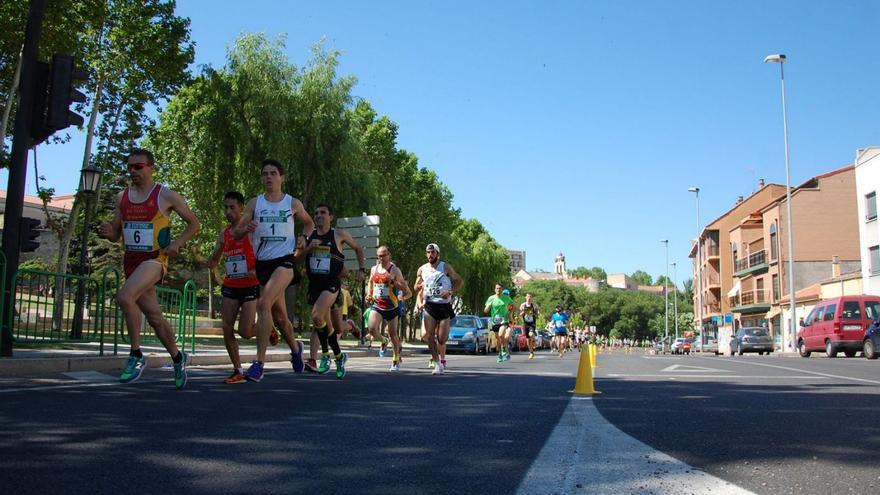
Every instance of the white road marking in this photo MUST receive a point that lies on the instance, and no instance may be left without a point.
(587, 454)
(688, 368)
(715, 377)
(817, 373)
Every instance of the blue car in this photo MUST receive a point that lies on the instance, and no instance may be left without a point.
(468, 333)
(871, 345)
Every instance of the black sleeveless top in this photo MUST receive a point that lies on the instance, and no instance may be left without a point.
(326, 260)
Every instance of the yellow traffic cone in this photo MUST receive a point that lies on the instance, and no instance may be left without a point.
(584, 383)
(592, 355)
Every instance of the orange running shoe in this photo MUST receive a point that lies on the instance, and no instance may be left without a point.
(235, 377)
(274, 337)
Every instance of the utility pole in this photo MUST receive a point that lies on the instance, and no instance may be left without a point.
(21, 142)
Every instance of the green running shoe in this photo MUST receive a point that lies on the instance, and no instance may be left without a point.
(325, 364)
(430, 364)
(340, 365)
(180, 371)
(133, 369)
(500, 358)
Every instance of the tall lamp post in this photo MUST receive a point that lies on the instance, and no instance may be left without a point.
(89, 179)
(792, 328)
(666, 294)
(675, 296)
(699, 274)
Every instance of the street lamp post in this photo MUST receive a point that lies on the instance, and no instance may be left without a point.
(699, 274)
(675, 296)
(90, 177)
(666, 294)
(792, 328)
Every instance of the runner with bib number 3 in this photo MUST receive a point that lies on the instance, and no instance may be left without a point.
(385, 279)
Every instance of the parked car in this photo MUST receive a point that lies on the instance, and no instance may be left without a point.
(752, 339)
(542, 339)
(871, 345)
(468, 333)
(838, 325)
(518, 340)
(661, 346)
(681, 346)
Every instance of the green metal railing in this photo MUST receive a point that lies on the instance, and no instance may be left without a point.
(37, 316)
(40, 316)
(178, 308)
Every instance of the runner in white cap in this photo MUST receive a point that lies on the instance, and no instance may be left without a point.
(436, 282)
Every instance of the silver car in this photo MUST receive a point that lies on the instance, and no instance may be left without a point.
(752, 339)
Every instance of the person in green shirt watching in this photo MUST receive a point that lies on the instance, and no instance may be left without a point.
(499, 306)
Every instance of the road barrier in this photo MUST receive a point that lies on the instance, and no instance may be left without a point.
(584, 383)
(37, 317)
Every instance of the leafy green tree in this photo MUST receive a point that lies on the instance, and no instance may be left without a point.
(597, 273)
(642, 278)
(688, 289)
(664, 280)
(579, 272)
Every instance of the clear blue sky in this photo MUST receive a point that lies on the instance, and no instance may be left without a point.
(578, 126)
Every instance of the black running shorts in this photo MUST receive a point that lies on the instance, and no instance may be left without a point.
(241, 294)
(439, 311)
(265, 269)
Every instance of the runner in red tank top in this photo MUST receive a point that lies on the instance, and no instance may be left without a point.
(241, 289)
(142, 220)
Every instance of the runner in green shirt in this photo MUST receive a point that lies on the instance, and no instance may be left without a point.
(499, 306)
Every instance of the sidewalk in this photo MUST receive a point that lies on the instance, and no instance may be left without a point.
(30, 361)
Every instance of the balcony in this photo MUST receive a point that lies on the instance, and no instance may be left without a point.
(750, 302)
(754, 264)
(711, 252)
(711, 281)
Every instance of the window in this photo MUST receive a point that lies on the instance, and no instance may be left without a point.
(872, 309)
(817, 316)
(874, 256)
(774, 246)
(775, 288)
(871, 205)
(810, 317)
(852, 310)
(829, 312)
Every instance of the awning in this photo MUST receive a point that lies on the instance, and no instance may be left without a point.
(736, 288)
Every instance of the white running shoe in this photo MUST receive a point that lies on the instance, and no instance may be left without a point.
(438, 369)
(394, 367)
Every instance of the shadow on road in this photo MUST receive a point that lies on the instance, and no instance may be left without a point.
(369, 433)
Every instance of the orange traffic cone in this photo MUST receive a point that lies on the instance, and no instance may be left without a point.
(584, 383)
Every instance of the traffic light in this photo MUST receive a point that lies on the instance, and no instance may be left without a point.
(39, 131)
(28, 234)
(64, 79)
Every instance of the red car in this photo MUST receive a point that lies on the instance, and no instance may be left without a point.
(837, 325)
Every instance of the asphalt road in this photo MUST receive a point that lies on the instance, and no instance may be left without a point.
(476, 428)
(767, 424)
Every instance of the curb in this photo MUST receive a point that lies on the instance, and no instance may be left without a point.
(36, 366)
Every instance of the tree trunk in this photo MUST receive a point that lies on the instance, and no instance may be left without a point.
(10, 99)
(64, 248)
